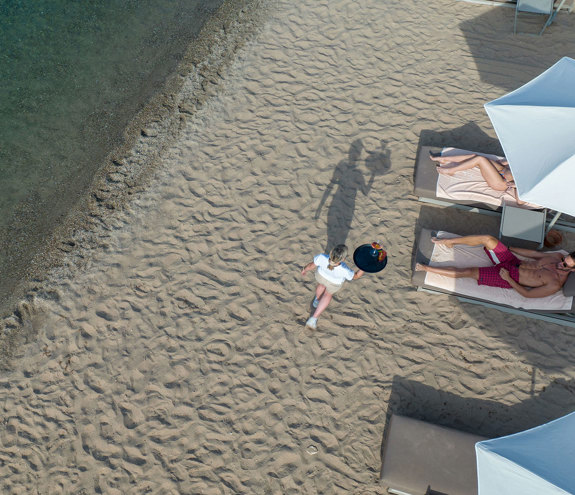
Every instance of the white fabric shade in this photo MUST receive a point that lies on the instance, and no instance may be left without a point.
(534, 462)
(536, 127)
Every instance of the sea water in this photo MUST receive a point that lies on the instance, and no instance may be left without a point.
(73, 73)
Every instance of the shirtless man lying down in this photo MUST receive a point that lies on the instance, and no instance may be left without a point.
(541, 275)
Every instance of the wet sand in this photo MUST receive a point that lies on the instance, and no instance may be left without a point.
(175, 358)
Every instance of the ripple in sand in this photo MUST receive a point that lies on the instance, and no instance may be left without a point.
(218, 350)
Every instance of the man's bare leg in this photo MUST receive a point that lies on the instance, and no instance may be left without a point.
(487, 241)
(449, 271)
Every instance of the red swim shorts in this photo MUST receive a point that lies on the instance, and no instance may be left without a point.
(501, 257)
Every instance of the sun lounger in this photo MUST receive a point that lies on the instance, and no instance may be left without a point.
(465, 189)
(558, 308)
(420, 458)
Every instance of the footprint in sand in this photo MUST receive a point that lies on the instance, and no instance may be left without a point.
(311, 450)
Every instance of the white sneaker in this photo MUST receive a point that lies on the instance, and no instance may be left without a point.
(315, 302)
(311, 323)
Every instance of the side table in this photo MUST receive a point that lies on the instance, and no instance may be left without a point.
(522, 228)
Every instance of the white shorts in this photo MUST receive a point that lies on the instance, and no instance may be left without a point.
(330, 287)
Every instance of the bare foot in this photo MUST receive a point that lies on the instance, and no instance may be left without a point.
(443, 242)
(436, 157)
(420, 268)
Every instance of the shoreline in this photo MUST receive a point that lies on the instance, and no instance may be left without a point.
(177, 360)
(128, 167)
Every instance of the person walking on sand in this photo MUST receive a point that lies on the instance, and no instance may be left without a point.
(331, 274)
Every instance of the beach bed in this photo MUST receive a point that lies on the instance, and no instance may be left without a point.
(558, 308)
(465, 190)
(420, 458)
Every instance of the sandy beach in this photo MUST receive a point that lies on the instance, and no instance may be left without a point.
(174, 359)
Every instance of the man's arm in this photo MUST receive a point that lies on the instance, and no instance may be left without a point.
(531, 293)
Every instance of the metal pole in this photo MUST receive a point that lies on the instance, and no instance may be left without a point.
(511, 4)
(493, 3)
(552, 222)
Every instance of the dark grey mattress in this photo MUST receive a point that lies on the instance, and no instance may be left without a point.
(423, 255)
(419, 454)
(426, 180)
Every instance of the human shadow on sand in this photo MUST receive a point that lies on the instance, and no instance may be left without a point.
(346, 182)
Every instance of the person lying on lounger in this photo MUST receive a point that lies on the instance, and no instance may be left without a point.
(541, 275)
(496, 173)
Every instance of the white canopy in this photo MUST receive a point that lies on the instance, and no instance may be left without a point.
(536, 127)
(534, 462)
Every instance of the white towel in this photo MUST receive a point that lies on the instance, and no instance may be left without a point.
(469, 185)
(466, 256)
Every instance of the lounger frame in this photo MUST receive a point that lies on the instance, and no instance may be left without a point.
(424, 250)
(567, 320)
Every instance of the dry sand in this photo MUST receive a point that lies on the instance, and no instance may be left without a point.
(176, 360)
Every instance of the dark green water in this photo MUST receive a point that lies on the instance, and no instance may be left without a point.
(73, 74)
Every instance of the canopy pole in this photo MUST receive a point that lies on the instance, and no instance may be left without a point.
(512, 4)
(493, 3)
(552, 222)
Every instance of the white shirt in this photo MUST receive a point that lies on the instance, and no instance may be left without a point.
(338, 275)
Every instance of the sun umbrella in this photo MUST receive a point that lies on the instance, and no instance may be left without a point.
(534, 462)
(536, 127)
